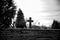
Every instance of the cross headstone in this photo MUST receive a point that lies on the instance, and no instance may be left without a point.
(30, 21)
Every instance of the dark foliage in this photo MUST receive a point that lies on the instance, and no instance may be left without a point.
(7, 11)
(56, 25)
(20, 22)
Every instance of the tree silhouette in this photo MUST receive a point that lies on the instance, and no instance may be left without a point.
(7, 11)
(56, 25)
(20, 22)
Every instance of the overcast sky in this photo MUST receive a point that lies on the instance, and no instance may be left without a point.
(43, 11)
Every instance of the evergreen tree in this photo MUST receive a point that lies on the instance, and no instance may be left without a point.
(20, 22)
(7, 11)
(55, 25)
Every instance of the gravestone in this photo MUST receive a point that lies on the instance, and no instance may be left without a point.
(30, 21)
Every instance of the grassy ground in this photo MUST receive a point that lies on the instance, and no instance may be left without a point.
(29, 34)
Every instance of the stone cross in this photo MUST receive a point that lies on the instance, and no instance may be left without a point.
(30, 21)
